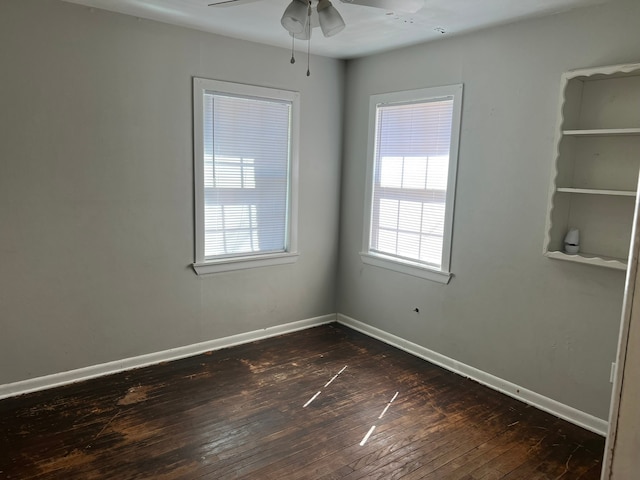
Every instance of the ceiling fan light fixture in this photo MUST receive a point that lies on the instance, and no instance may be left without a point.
(331, 21)
(294, 17)
(305, 34)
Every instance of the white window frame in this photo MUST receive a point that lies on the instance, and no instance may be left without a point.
(202, 265)
(417, 269)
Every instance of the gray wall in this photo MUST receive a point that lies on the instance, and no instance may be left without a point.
(96, 189)
(547, 325)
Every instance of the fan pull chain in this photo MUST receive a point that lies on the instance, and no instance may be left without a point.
(308, 57)
(293, 42)
(309, 41)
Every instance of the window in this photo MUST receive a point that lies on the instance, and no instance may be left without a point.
(413, 154)
(245, 143)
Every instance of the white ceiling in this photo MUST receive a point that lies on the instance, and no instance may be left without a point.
(369, 30)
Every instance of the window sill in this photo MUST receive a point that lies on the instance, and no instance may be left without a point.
(414, 269)
(241, 263)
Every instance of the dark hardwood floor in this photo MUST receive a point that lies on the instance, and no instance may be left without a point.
(253, 412)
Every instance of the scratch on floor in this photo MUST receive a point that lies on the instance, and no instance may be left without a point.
(566, 465)
(105, 427)
(536, 445)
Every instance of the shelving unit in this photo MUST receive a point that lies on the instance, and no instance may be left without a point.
(595, 174)
(603, 132)
(601, 261)
(594, 191)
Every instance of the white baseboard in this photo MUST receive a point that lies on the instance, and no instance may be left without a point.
(534, 399)
(85, 373)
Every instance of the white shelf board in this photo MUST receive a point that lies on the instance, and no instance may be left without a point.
(594, 191)
(590, 259)
(603, 132)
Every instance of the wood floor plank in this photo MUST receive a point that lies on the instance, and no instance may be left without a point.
(244, 412)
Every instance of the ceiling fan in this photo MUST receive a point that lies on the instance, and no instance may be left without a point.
(300, 16)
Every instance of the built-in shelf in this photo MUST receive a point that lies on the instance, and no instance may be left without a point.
(594, 191)
(603, 132)
(590, 259)
(595, 172)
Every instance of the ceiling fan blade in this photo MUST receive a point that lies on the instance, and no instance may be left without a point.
(407, 6)
(230, 3)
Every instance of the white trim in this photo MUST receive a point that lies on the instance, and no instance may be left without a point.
(630, 291)
(198, 166)
(415, 96)
(203, 266)
(239, 263)
(406, 267)
(607, 70)
(529, 397)
(86, 373)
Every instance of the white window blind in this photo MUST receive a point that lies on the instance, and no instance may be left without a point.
(410, 185)
(412, 177)
(246, 174)
(245, 163)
